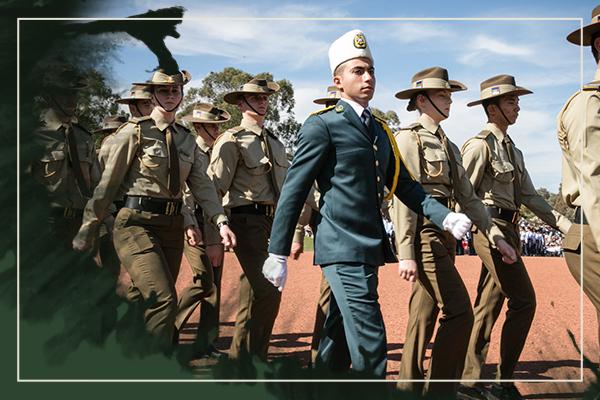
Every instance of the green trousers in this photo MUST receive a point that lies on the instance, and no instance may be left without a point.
(150, 247)
(259, 299)
(499, 281)
(439, 288)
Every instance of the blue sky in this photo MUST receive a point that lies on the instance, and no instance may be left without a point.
(536, 52)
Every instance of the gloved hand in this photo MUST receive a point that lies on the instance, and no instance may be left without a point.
(457, 224)
(275, 270)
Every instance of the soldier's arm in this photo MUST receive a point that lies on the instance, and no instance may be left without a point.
(471, 204)
(539, 206)
(223, 163)
(98, 207)
(203, 189)
(313, 149)
(590, 168)
(474, 160)
(188, 208)
(403, 218)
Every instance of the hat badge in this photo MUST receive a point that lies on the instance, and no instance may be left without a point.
(360, 42)
(418, 84)
(495, 90)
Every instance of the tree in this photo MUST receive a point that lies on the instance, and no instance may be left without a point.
(280, 118)
(390, 116)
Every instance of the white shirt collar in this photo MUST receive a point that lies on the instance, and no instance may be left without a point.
(358, 109)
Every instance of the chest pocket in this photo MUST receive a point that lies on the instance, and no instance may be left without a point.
(254, 158)
(185, 163)
(84, 151)
(52, 162)
(435, 163)
(154, 155)
(502, 171)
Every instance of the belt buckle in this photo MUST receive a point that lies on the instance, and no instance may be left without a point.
(68, 212)
(170, 208)
(270, 211)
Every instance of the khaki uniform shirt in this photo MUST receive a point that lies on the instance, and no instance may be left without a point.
(491, 172)
(579, 139)
(211, 234)
(139, 166)
(241, 168)
(54, 168)
(424, 154)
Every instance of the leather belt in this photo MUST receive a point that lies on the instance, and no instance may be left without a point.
(503, 214)
(66, 212)
(580, 217)
(154, 205)
(256, 209)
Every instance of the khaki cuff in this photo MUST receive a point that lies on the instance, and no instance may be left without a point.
(406, 252)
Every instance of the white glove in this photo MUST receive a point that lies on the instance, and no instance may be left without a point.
(275, 270)
(457, 224)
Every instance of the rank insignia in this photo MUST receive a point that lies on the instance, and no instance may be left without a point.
(339, 108)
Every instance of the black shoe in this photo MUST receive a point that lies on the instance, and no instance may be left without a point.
(503, 392)
(471, 393)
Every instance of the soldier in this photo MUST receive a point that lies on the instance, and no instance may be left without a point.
(248, 165)
(68, 167)
(109, 126)
(497, 171)
(202, 247)
(151, 158)
(426, 252)
(352, 156)
(578, 127)
(139, 101)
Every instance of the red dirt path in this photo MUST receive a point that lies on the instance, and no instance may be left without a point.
(548, 354)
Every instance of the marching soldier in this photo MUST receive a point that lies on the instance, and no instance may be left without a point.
(139, 101)
(352, 156)
(248, 166)
(497, 171)
(579, 139)
(202, 247)
(68, 167)
(151, 158)
(426, 252)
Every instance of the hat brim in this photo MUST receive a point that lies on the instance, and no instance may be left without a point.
(587, 32)
(519, 91)
(102, 130)
(191, 119)
(129, 100)
(234, 97)
(325, 100)
(407, 94)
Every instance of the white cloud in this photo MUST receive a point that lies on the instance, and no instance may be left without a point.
(412, 32)
(482, 47)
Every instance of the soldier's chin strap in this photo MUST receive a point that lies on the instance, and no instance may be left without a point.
(433, 104)
(503, 115)
(253, 109)
(207, 132)
(164, 108)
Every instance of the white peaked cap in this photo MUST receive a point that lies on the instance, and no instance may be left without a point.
(350, 45)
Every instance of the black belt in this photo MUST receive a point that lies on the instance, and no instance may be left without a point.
(118, 205)
(580, 216)
(154, 205)
(66, 212)
(255, 208)
(503, 214)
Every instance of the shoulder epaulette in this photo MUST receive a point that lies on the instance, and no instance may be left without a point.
(234, 130)
(137, 120)
(484, 134)
(183, 126)
(82, 128)
(321, 111)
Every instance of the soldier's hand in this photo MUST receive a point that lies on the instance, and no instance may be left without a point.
(193, 235)
(215, 253)
(81, 245)
(297, 249)
(109, 222)
(275, 270)
(228, 236)
(407, 269)
(457, 224)
(509, 255)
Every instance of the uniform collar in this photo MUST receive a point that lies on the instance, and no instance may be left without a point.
(159, 120)
(358, 109)
(428, 123)
(202, 144)
(251, 126)
(52, 120)
(496, 131)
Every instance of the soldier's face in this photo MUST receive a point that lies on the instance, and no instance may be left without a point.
(169, 96)
(357, 80)
(141, 108)
(66, 101)
(442, 100)
(255, 103)
(510, 106)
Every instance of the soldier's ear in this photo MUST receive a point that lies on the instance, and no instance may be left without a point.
(337, 81)
(596, 44)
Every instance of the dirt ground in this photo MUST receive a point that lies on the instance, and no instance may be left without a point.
(549, 353)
